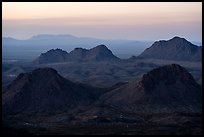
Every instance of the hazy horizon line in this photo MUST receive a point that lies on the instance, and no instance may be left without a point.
(68, 34)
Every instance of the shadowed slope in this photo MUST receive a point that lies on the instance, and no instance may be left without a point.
(165, 89)
(43, 90)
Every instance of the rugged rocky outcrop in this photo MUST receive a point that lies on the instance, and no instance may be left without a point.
(98, 53)
(52, 56)
(44, 91)
(174, 49)
(43, 101)
(166, 89)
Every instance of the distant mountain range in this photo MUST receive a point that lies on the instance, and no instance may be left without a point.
(98, 53)
(31, 48)
(174, 49)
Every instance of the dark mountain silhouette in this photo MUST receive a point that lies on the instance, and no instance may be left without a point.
(78, 54)
(165, 89)
(98, 53)
(44, 91)
(51, 56)
(174, 49)
(163, 100)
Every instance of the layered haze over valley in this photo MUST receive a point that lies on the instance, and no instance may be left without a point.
(127, 68)
(28, 49)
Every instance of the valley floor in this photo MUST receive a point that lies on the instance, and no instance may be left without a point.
(119, 129)
(100, 74)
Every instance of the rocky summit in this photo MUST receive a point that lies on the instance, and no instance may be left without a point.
(44, 91)
(174, 49)
(168, 88)
(98, 53)
(52, 56)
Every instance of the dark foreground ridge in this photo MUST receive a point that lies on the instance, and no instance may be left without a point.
(166, 100)
(44, 91)
(166, 89)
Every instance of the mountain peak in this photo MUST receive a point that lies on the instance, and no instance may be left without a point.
(101, 46)
(44, 71)
(44, 90)
(39, 75)
(52, 56)
(168, 74)
(174, 49)
(169, 88)
(101, 53)
(178, 38)
(55, 50)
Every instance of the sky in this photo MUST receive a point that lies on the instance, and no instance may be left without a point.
(107, 20)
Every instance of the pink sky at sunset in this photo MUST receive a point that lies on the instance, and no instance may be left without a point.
(116, 20)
